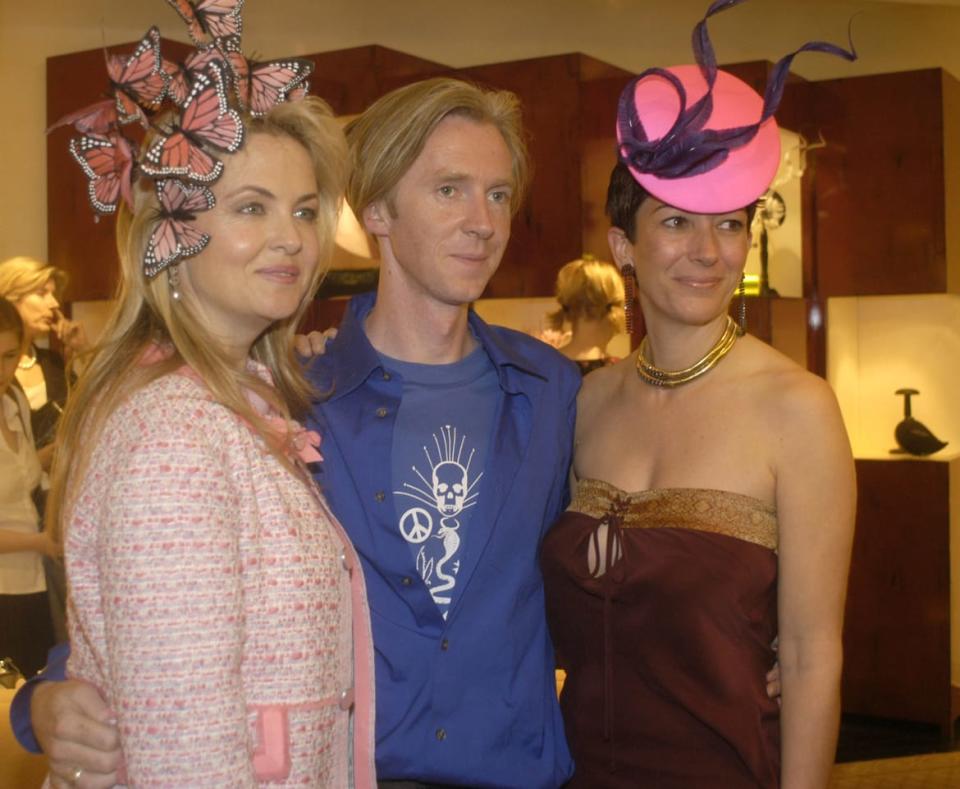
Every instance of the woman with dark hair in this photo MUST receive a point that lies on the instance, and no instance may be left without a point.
(27, 632)
(715, 494)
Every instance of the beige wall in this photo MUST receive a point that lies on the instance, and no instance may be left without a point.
(630, 33)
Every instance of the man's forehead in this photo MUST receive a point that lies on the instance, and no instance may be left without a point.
(460, 148)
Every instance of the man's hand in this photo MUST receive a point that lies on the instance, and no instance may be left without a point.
(74, 727)
(314, 343)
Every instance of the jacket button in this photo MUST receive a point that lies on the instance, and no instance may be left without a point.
(445, 645)
(381, 412)
(380, 495)
(441, 735)
(386, 376)
(406, 581)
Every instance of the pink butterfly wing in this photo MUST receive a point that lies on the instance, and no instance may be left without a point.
(187, 14)
(206, 115)
(176, 154)
(107, 162)
(270, 82)
(175, 237)
(220, 17)
(98, 118)
(138, 79)
(178, 87)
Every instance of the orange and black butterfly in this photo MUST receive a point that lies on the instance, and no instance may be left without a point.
(138, 80)
(174, 237)
(205, 120)
(210, 19)
(107, 161)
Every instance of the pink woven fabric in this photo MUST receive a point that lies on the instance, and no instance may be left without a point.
(210, 597)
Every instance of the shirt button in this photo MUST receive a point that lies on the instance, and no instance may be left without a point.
(379, 495)
(441, 735)
(345, 701)
(445, 645)
(406, 581)
(345, 561)
(381, 412)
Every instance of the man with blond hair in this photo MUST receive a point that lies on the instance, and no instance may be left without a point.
(446, 444)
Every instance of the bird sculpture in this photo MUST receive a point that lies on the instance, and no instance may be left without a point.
(913, 436)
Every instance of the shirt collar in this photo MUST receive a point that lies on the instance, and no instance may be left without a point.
(352, 358)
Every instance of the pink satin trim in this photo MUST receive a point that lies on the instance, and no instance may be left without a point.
(271, 757)
(292, 437)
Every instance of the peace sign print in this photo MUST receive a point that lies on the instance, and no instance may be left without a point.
(416, 524)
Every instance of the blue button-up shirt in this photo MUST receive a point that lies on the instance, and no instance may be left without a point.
(470, 700)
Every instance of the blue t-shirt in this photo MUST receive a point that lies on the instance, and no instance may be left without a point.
(440, 442)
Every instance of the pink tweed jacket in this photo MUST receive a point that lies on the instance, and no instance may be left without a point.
(217, 604)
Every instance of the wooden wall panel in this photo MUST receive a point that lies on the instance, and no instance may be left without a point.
(897, 629)
(880, 201)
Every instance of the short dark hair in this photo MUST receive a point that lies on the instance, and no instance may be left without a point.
(625, 196)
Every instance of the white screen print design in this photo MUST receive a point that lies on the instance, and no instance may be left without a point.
(447, 492)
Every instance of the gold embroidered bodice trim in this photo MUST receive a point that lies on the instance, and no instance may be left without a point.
(700, 509)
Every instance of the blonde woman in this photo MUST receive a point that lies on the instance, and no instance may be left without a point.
(591, 297)
(215, 601)
(27, 631)
(35, 288)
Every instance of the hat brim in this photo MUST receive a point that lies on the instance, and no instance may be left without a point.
(747, 171)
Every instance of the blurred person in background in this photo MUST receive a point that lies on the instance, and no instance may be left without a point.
(26, 632)
(591, 297)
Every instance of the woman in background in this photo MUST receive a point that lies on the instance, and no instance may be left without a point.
(591, 297)
(35, 289)
(26, 631)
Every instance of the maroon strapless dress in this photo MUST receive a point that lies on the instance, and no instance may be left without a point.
(666, 651)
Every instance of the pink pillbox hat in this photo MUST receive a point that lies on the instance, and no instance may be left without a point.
(699, 138)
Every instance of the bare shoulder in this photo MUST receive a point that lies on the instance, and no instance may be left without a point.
(791, 394)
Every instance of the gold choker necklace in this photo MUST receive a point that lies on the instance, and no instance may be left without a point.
(654, 376)
(26, 365)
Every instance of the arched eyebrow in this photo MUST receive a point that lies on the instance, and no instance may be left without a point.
(259, 190)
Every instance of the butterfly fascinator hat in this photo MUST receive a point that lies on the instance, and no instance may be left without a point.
(191, 111)
(700, 139)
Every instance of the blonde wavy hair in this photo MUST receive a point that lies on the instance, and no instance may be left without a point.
(589, 288)
(21, 276)
(145, 314)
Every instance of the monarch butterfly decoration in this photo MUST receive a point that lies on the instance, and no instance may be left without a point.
(206, 119)
(260, 86)
(138, 80)
(181, 75)
(185, 107)
(210, 19)
(107, 161)
(174, 237)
